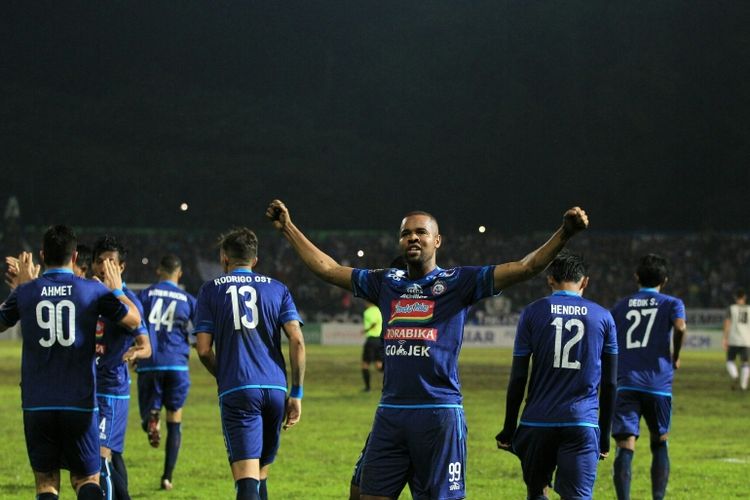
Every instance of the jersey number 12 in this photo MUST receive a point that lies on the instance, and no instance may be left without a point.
(562, 353)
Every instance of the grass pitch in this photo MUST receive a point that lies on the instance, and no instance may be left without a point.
(708, 447)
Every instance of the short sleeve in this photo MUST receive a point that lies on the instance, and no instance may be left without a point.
(288, 310)
(522, 343)
(678, 310)
(204, 319)
(610, 335)
(366, 283)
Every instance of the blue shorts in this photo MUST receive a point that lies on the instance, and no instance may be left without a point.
(251, 420)
(157, 388)
(59, 439)
(357, 474)
(424, 447)
(572, 450)
(656, 410)
(113, 421)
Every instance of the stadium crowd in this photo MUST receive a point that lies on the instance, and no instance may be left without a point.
(705, 267)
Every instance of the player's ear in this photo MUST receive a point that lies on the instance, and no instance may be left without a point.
(74, 258)
(584, 283)
(438, 240)
(41, 255)
(253, 262)
(550, 281)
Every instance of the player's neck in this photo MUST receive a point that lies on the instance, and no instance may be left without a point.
(417, 271)
(231, 269)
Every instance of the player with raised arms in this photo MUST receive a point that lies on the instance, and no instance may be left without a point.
(419, 433)
(59, 313)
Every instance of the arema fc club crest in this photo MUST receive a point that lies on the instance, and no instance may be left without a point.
(438, 287)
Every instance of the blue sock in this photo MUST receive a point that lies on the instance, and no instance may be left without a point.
(89, 491)
(46, 496)
(622, 473)
(263, 489)
(174, 439)
(659, 469)
(247, 489)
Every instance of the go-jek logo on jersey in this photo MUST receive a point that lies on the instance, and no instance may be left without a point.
(403, 349)
(411, 310)
(428, 334)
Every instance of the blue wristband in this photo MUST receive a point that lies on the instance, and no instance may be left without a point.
(117, 292)
(296, 392)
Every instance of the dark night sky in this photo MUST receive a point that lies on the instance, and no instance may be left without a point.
(496, 112)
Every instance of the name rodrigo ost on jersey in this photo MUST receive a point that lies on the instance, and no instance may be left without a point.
(569, 310)
(233, 278)
(156, 292)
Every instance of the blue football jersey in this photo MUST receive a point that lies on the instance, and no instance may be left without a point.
(566, 336)
(244, 312)
(59, 313)
(112, 341)
(168, 312)
(644, 330)
(423, 329)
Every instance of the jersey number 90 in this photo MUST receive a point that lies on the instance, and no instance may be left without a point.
(51, 317)
(250, 299)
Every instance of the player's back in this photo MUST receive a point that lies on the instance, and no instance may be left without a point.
(244, 311)
(168, 312)
(59, 313)
(644, 332)
(566, 335)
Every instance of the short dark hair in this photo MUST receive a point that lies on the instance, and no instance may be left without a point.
(170, 263)
(84, 256)
(426, 214)
(58, 245)
(567, 267)
(652, 270)
(740, 293)
(109, 243)
(240, 244)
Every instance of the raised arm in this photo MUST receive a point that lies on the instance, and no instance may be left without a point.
(297, 361)
(510, 273)
(141, 349)
(314, 258)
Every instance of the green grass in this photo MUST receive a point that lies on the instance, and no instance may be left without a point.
(708, 447)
